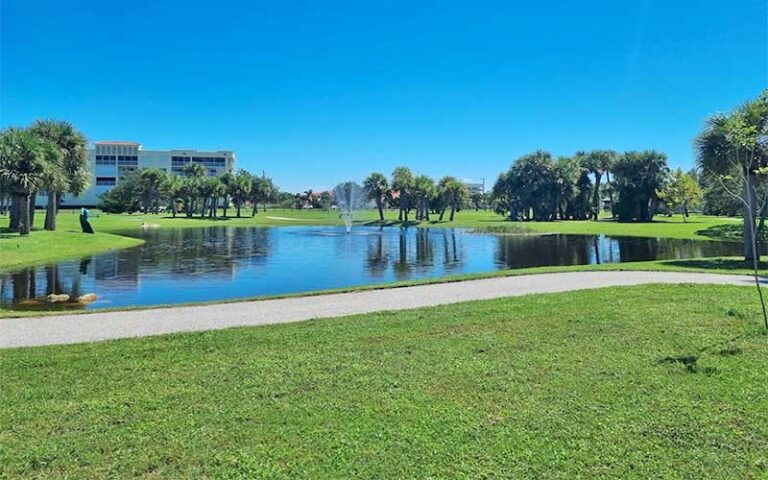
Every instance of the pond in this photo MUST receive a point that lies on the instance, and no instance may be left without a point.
(219, 263)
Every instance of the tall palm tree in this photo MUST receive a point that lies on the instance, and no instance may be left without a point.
(240, 188)
(70, 159)
(402, 181)
(377, 187)
(226, 180)
(174, 189)
(734, 145)
(599, 162)
(195, 186)
(423, 191)
(22, 168)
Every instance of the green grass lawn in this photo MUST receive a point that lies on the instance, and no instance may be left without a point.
(632, 382)
(42, 247)
(699, 226)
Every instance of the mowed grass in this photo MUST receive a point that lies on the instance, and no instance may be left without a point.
(40, 247)
(632, 382)
(698, 227)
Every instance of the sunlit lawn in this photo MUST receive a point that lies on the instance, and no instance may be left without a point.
(639, 382)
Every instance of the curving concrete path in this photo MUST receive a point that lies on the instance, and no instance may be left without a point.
(63, 329)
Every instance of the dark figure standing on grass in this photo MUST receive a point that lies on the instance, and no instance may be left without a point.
(84, 223)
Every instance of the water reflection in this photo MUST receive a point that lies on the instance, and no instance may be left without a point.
(177, 266)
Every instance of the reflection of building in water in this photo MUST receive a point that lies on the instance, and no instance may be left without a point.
(118, 268)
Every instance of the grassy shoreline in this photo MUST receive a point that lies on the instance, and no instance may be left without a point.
(629, 388)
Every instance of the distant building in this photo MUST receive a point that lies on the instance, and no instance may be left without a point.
(111, 161)
(474, 187)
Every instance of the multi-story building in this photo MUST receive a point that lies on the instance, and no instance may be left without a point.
(111, 161)
(475, 187)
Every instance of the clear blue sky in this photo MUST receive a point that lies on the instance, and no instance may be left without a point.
(322, 91)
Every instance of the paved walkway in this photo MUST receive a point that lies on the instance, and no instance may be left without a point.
(61, 329)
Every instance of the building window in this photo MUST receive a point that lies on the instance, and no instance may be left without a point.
(105, 160)
(128, 160)
(105, 181)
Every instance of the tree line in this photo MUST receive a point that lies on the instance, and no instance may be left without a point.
(152, 190)
(638, 184)
(419, 194)
(48, 157)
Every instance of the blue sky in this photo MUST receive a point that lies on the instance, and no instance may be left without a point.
(318, 92)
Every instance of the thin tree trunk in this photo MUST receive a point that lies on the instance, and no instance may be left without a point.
(453, 211)
(750, 252)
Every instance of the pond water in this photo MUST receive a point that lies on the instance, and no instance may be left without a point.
(217, 263)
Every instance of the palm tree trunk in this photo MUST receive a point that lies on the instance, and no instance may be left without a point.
(596, 195)
(380, 207)
(453, 211)
(14, 213)
(50, 212)
(610, 191)
(31, 204)
(24, 223)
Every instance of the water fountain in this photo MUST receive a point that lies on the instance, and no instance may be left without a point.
(349, 197)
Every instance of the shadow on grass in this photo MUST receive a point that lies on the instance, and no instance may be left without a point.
(730, 231)
(717, 264)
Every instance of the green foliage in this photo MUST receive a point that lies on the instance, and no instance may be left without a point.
(123, 197)
(681, 192)
(637, 177)
(536, 187)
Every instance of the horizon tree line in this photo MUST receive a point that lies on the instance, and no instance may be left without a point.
(151, 190)
(418, 193)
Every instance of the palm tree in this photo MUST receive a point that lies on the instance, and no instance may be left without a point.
(423, 191)
(458, 193)
(195, 187)
(226, 179)
(174, 189)
(240, 188)
(70, 159)
(598, 162)
(377, 187)
(638, 177)
(402, 181)
(734, 145)
(151, 187)
(23, 169)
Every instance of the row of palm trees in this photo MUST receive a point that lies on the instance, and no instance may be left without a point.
(418, 193)
(151, 189)
(49, 156)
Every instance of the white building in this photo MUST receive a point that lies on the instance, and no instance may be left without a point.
(474, 187)
(111, 161)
